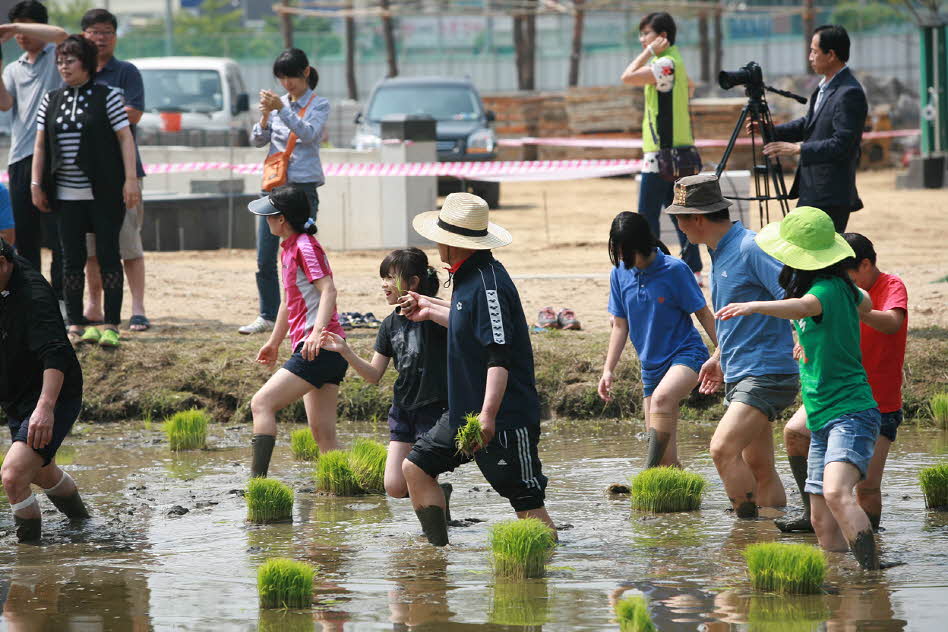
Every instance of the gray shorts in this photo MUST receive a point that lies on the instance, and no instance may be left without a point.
(130, 237)
(769, 394)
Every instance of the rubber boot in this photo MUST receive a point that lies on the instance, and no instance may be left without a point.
(797, 523)
(433, 524)
(262, 451)
(447, 488)
(657, 442)
(70, 505)
(28, 529)
(864, 550)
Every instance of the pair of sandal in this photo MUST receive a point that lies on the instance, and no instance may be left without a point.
(351, 320)
(94, 336)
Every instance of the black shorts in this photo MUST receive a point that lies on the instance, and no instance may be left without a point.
(64, 416)
(329, 367)
(510, 462)
(407, 426)
(890, 424)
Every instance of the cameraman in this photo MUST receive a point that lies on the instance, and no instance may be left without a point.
(828, 139)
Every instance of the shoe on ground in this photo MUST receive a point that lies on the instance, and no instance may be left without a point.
(258, 326)
(91, 336)
(109, 338)
(546, 318)
(371, 321)
(567, 320)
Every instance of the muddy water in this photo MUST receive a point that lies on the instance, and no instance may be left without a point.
(138, 566)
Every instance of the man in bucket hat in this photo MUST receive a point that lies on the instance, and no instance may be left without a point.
(755, 357)
(490, 370)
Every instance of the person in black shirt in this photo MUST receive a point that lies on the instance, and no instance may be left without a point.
(40, 393)
(420, 351)
(490, 370)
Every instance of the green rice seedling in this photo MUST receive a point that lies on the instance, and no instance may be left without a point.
(268, 500)
(776, 613)
(939, 406)
(633, 616)
(303, 445)
(667, 489)
(285, 621)
(334, 474)
(785, 568)
(520, 603)
(283, 583)
(934, 481)
(187, 430)
(367, 460)
(521, 548)
(468, 438)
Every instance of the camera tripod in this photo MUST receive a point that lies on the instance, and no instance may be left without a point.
(768, 174)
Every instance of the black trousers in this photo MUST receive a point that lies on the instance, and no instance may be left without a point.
(34, 228)
(840, 215)
(76, 218)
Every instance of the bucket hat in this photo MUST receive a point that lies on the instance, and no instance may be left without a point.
(462, 222)
(698, 195)
(805, 239)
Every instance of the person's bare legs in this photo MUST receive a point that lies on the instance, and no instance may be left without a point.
(759, 456)
(740, 425)
(839, 479)
(427, 499)
(93, 311)
(395, 485)
(20, 467)
(661, 419)
(282, 389)
(540, 514)
(320, 404)
(825, 526)
(868, 491)
(796, 440)
(135, 275)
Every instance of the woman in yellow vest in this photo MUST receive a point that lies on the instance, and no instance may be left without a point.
(661, 70)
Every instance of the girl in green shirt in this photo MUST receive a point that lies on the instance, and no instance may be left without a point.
(842, 416)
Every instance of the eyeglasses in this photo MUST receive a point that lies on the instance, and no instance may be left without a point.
(95, 33)
(66, 61)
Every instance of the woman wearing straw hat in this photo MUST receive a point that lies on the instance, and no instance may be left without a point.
(824, 305)
(490, 370)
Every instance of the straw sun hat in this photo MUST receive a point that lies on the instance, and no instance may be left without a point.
(462, 222)
(805, 239)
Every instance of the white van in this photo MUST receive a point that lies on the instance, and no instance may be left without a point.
(205, 94)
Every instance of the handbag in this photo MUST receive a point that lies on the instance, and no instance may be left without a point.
(673, 162)
(277, 164)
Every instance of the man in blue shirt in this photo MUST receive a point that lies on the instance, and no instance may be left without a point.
(99, 26)
(490, 370)
(755, 357)
(7, 225)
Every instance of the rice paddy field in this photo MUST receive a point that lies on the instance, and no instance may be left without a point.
(170, 547)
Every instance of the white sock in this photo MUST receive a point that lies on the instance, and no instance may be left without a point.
(23, 504)
(52, 490)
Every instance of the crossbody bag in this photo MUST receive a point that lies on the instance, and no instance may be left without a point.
(276, 165)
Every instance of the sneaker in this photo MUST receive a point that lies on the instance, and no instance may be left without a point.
(546, 318)
(567, 319)
(259, 326)
(371, 321)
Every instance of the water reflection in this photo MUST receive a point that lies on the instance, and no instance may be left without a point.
(521, 603)
(420, 592)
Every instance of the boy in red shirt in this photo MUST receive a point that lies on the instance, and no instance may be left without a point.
(882, 341)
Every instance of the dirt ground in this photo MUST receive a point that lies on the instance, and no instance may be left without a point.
(559, 255)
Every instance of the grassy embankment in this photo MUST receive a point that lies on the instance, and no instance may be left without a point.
(171, 369)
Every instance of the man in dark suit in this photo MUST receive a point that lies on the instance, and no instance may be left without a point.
(827, 140)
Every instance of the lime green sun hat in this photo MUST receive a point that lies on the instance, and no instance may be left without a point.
(805, 239)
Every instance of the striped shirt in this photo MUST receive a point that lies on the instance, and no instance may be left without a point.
(304, 262)
(67, 128)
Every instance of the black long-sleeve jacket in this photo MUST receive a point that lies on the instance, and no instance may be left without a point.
(32, 339)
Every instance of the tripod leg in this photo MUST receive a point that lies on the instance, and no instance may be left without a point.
(730, 143)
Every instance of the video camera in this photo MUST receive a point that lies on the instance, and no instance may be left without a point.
(749, 75)
(6, 250)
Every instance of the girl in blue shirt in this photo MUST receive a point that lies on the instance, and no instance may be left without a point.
(652, 296)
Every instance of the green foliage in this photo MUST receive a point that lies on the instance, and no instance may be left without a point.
(521, 548)
(785, 568)
(939, 406)
(866, 16)
(303, 445)
(934, 482)
(187, 430)
(334, 474)
(667, 489)
(468, 438)
(367, 460)
(68, 13)
(632, 613)
(519, 603)
(268, 500)
(283, 583)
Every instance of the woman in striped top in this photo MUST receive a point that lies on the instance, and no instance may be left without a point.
(84, 170)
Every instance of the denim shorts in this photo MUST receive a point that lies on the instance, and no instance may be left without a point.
(770, 394)
(407, 426)
(850, 438)
(329, 367)
(890, 424)
(691, 357)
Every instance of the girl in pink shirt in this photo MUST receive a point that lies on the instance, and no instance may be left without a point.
(308, 309)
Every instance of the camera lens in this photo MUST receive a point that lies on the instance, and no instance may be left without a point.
(727, 79)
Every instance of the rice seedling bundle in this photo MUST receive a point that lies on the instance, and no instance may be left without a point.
(519, 603)
(521, 548)
(268, 500)
(934, 482)
(785, 568)
(283, 583)
(667, 489)
(632, 613)
(187, 430)
(468, 438)
(939, 406)
(303, 445)
(334, 474)
(367, 459)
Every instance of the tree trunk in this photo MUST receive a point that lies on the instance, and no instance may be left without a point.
(286, 26)
(704, 46)
(524, 36)
(576, 51)
(388, 31)
(718, 48)
(530, 37)
(350, 59)
(809, 25)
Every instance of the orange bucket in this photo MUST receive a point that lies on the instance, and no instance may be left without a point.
(171, 121)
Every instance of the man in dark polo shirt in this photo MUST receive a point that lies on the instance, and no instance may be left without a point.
(490, 370)
(40, 394)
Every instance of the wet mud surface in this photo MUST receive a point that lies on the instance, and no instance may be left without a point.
(168, 547)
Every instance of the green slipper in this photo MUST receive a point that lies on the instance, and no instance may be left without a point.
(91, 336)
(110, 338)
